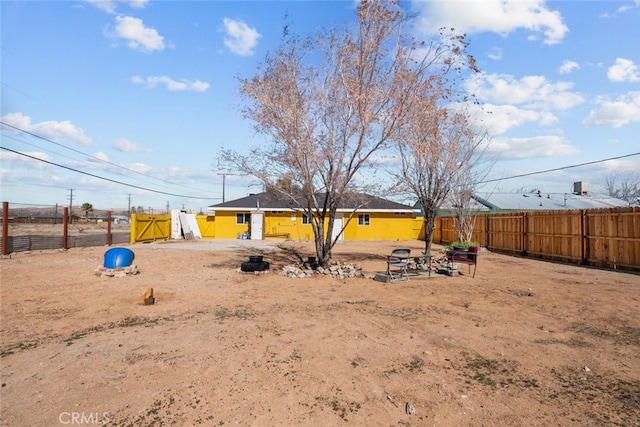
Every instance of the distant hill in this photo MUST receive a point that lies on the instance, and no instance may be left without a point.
(52, 212)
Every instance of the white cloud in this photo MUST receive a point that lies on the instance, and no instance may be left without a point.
(127, 146)
(624, 70)
(170, 84)
(138, 36)
(508, 102)
(621, 166)
(539, 146)
(499, 16)
(568, 67)
(56, 131)
(110, 6)
(495, 53)
(498, 119)
(529, 91)
(623, 111)
(139, 167)
(627, 7)
(100, 155)
(7, 157)
(240, 38)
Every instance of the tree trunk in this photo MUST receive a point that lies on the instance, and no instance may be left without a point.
(322, 243)
(429, 225)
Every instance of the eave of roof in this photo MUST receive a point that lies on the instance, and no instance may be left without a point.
(270, 202)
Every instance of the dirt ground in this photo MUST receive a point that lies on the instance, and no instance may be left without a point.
(524, 343)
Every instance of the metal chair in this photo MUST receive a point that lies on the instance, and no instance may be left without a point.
(397, 264)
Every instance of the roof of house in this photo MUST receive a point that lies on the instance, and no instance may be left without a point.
(546, 201)
(271, 201)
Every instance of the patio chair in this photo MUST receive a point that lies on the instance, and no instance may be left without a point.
(397, 264)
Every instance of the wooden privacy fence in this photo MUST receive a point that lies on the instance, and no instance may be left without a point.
(599, 237)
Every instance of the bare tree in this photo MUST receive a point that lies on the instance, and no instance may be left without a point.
(464, 214)
(466, 208)
(624, 185)
(439, 149)
(328, 105)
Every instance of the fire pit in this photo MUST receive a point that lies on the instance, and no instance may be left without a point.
(255, 263)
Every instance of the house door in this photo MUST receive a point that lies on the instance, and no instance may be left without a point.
(338, 223)
(256, 225)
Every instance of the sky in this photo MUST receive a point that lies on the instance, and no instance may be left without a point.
(128, 103)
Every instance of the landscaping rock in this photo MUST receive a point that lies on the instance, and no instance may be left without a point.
(336, 270)
(148, 298)
(117, 272)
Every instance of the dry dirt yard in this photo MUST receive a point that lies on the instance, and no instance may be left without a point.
(524, 343)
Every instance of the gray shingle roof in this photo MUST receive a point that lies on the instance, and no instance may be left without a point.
(270, 201)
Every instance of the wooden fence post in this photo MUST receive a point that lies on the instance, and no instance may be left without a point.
(523, 233)
(133, 219)
(109, 237)
(584, 239)
(65, 235)
(487, 243)
(5, 228)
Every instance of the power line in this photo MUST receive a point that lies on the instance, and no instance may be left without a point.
(225, 174)
(558, 169)
(107, 179)
(88, 155)
(21, 93)
(80, 152)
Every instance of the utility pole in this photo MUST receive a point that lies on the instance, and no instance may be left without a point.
(129, 207)
(224, 179)
(71, 203)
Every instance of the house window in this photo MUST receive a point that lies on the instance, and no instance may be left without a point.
(277, 212)
(363, 219)
(305, 219)
(243, 218)
(400, 213)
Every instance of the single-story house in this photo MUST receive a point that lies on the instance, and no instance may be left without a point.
(266, 216)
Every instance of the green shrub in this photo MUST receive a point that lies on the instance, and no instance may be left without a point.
(463, 245)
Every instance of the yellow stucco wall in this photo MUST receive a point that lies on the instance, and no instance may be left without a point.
(281, 225)
(221, 226)
(289, 223)
(384, 226)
